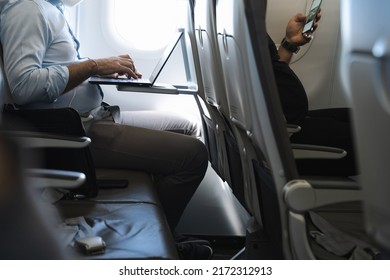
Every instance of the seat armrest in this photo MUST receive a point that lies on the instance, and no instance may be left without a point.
(304, 195)
(45, 140)
(302, 151)
(50, 178)
(292, 128)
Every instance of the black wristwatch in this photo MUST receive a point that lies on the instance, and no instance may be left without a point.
(290, 47)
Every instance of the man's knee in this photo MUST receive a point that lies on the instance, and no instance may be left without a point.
(199, 156)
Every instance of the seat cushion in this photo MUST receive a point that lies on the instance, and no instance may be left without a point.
(130, 230)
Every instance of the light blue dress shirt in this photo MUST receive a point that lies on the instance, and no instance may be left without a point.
(37, 47)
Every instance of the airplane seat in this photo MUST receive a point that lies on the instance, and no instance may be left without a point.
(67, 122)
(27, 231)
(216, 96)
(295, 216)
(227, 158)
(365, 73)
(235, 62)
(128, 216)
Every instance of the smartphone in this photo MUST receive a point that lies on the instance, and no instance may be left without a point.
(311, 17)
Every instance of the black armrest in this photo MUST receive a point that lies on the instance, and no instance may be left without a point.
(61, 136)
(292, 128)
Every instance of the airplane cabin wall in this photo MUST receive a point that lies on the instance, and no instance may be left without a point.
(317, 63)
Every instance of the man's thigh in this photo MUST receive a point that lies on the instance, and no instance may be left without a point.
(123, 146)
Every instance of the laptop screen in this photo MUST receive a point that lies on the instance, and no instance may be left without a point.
(165, 56)
(142, 82)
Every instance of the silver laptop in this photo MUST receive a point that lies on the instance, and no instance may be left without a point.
(142, 82)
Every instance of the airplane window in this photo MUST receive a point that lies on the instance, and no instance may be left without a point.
(148, 24)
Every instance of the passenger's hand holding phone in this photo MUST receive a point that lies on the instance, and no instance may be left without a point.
(295, 27)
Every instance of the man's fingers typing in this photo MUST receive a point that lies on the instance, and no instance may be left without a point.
(123, 65)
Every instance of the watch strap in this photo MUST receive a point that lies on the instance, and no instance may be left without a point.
(290, 47)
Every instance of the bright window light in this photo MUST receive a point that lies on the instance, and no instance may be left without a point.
(148, 24)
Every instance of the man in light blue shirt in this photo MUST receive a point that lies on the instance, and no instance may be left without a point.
(43, 70)
(41, 61)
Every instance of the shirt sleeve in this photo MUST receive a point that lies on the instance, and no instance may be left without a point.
(25, 35)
